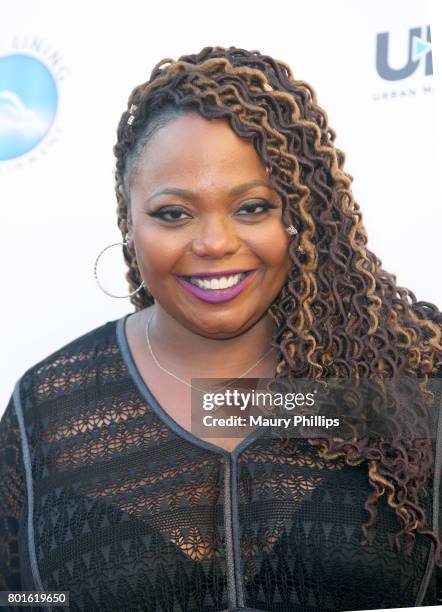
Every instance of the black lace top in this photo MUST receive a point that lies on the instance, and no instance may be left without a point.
(103, 495)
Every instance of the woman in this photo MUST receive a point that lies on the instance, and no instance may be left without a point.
(247, 258)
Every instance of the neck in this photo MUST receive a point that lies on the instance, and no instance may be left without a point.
(193, 355)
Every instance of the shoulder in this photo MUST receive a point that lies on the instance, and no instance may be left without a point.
(82, 348)
(71, 367)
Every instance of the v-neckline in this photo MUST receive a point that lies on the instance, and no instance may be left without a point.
(170, 422)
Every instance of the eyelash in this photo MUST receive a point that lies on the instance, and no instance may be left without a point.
(170, 209)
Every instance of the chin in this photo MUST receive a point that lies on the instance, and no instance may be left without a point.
(216, 326)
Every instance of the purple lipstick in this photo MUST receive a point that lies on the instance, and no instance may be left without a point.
(217, 295)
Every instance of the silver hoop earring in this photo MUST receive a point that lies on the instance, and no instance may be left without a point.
(96, 277)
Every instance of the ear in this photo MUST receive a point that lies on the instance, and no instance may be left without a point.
(128, 208)
(129, 234)
(129, 219)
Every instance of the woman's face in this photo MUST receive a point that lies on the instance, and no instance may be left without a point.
(202, 207)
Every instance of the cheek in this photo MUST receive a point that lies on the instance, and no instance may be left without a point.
(273, 249)
(156, 255)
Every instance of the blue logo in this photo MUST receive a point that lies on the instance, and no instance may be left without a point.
(419, 49)
(28, 104)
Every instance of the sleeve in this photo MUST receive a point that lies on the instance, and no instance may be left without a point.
(439, 569)
(12, 499)
(434, 592)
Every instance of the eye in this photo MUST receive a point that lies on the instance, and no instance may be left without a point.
(173, 212)
(251, 208)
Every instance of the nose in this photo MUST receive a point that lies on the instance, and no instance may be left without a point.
(216, 238)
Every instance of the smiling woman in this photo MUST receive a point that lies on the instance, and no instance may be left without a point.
(247, 257)
(200, 213)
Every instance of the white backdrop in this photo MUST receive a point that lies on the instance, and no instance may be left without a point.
(57, 200)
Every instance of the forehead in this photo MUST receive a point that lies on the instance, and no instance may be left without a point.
(194, 147)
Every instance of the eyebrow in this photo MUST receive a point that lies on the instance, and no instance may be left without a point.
(185, 193)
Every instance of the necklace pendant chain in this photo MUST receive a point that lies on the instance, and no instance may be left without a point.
(166, 371)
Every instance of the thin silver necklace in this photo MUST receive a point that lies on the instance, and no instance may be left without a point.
(158, 364)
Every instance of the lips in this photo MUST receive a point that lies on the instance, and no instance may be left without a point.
(218, 295)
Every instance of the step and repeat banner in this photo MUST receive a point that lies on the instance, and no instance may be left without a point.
(66, 70)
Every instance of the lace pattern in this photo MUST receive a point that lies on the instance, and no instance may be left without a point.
(128, 514)
(12, 498)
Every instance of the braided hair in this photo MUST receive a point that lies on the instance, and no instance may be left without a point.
(339, 313)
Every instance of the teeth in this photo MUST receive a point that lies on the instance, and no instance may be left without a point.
(223, 282)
